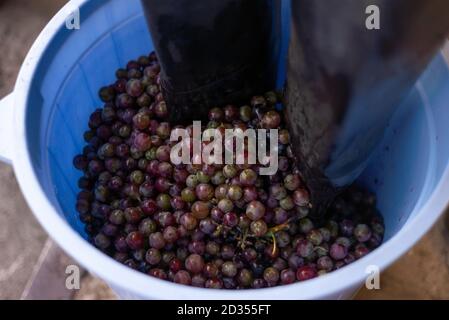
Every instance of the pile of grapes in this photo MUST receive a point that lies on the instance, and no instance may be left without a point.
(209, 225)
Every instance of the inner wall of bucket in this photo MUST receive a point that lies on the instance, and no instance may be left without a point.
(403, 172)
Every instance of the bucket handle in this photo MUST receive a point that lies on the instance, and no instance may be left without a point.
(6, 128)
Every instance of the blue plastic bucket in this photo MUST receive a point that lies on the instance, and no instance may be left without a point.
(43, 120)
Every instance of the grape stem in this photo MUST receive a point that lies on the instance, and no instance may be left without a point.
(280, 227)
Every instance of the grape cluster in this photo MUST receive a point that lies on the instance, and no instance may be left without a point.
(212, 226)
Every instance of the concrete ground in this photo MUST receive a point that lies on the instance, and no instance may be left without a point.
(423, 273)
